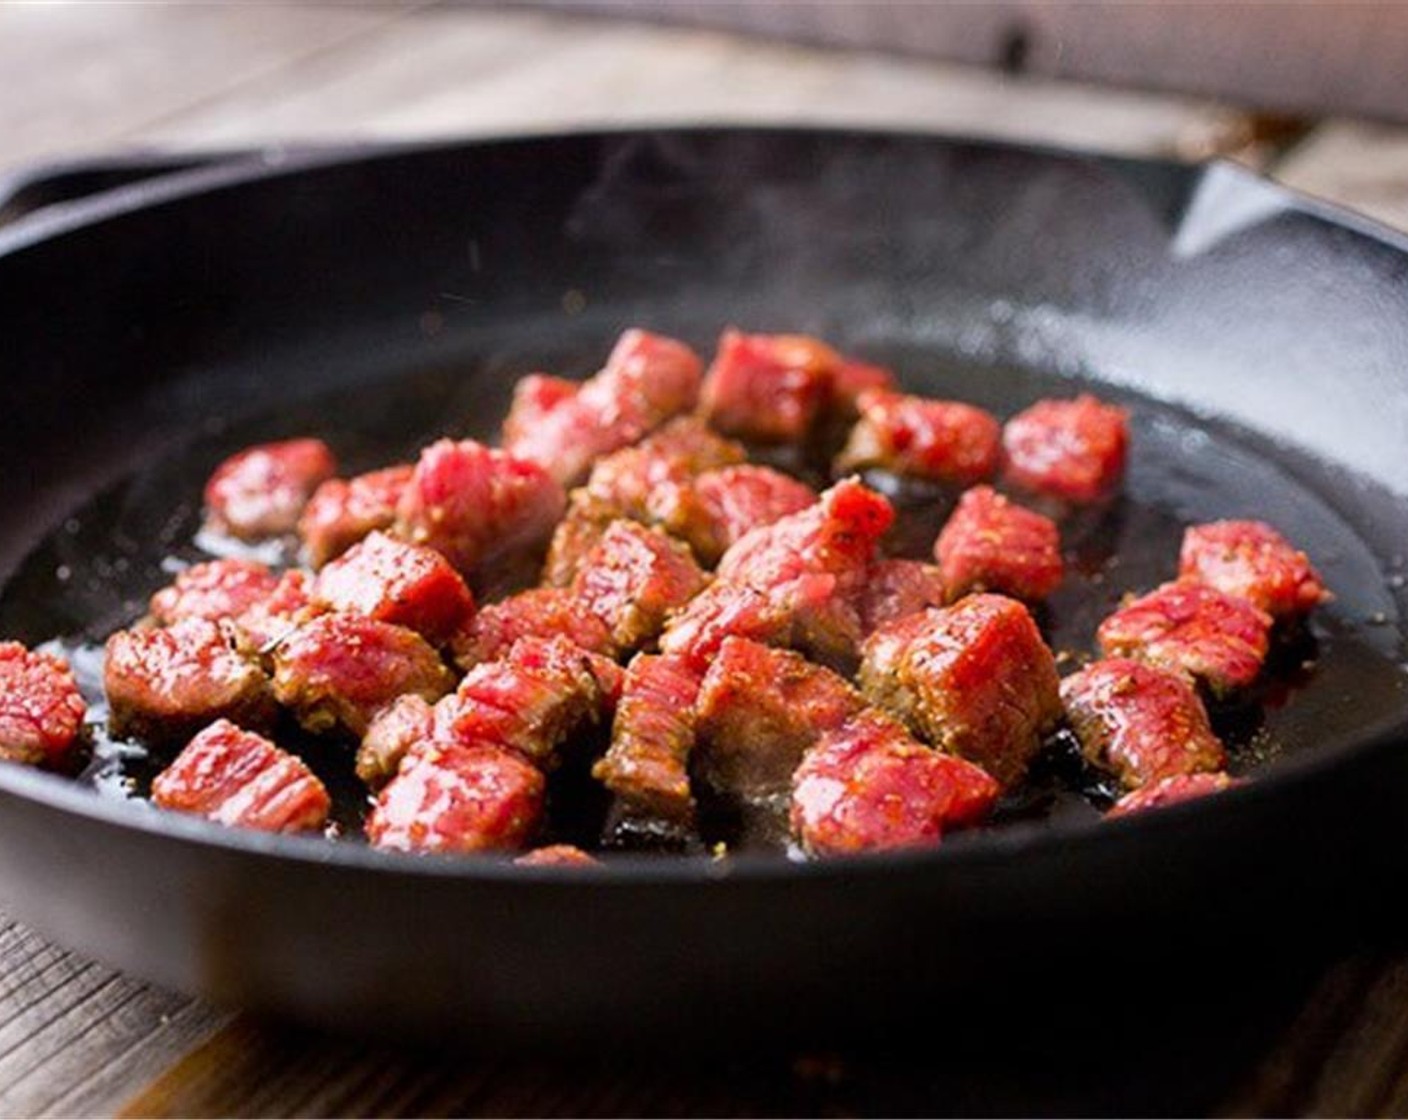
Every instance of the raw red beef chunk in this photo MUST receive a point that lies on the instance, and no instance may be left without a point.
(1252, 561)
(477, 505)
(868, 786)
(395, 730)
(992, 544)
(759, 709)
(647, 764)
(853, 378)
(458, 798)
(1171, 791)
(1069, 449)
(633, 579)
(271, 618)
(534, 398)
(942, 441)
(337, 670)
(235, 777)
(801, 581)
(539, 612)
(531, 700)
(680, 451)
(557, 855)
(41, 711)
(261, 491)
(647, 380)
(165, 684)
(343, 511)
(585, 523)
(1141, 722)
(769, 388)
(214, 590)
(715, 510)
(1189, 626)
(974, 679)
(895, 588)
(396, 582)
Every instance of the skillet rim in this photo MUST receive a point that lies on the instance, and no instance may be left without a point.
(974, 849)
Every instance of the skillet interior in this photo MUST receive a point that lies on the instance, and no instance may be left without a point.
(394, 298)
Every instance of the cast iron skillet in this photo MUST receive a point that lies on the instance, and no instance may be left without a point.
(387, 296)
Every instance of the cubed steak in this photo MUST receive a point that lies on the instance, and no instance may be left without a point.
(393, 581)
(727, 609)
(652, 738)
(647, 380)
(1252, 561)
(557, 855)
(896, 588)
(335, 671)
(714, 510)
(393, 732)
(936, 440)
(41, 711)
(343, 511)
(235, 777)
(268, 620)
(1172, 790)
(459, 798)
(531, 700)
(974, 679)
(164, 685)
(214, 590)
(683, 449)
(584, 524)
(1217, 638)
(769, 388)
(758, 711)
(1140, 722)
(478, 506)
(1073, 450)
(539, 612)
(633, 579)
(992, 544)
(869, 786)
(261, 491)
(854, 377)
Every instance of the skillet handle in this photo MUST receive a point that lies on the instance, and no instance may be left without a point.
(37, 188)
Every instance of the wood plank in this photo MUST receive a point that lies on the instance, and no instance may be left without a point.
(449, 71)
(1357, 164)
(79, 77)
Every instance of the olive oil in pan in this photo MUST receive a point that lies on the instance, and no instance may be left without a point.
(1343, 671)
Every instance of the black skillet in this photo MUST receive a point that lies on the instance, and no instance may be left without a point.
(384, 297)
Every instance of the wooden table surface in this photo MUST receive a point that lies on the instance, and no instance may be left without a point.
(1323, 1036)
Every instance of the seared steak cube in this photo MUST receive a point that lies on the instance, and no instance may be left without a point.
(974, 679)
(1252, 561)
(941, 441)
(343, 511)
(683, 449)
(396, 582)
(1217, 638)
(992, 544)
(768, 388)
(214, 590)
(532, 699)
(717, 508)
(647, 380)
(1141, 722)
(477, 506)
(1069, 449)
(41, 711)
(758, 711)
(165, 684)
(726, 609)
(393, 732)
(266, 621)
(895, 588)
(557, 855)
(852, 378)
(1172, 790)
(869, 786)
(235, 777)
(261, 491)
(539, 612)
(458, 798)
(337, 670)
(647, 764)
(633, 579)
(579, 532)
(535, 397)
